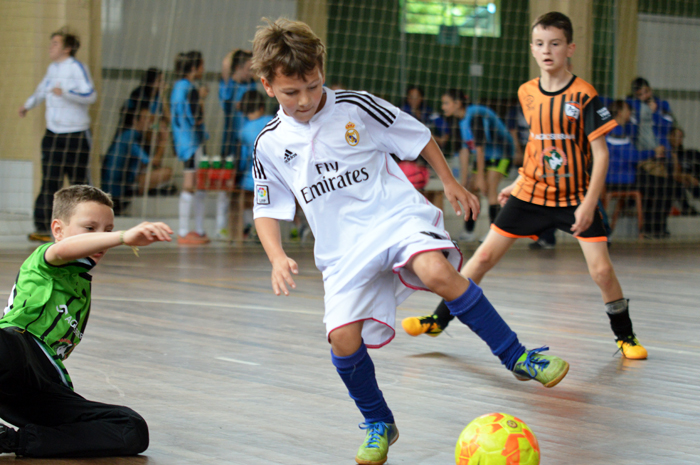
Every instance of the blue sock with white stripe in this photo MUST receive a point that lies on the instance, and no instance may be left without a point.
(357, 372)
(474, 310)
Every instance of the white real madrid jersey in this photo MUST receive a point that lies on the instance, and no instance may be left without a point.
(339, 168)
(68, 112)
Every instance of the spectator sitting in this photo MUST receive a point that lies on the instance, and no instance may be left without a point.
(624, 156)
(148, 92)
(415, 106)
(652, 116)
(688, 162)
(643, 170)
(125, 156)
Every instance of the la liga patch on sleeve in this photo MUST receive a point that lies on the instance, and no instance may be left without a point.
(262, 195)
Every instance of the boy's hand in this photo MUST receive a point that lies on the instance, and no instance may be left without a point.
(281, 275)
(57, 91)
(22, 111)
(457, 194)
(505, 194)
(146, 233)
(652, 105)
(584, 218)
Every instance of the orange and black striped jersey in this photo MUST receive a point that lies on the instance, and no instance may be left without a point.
(556, 168)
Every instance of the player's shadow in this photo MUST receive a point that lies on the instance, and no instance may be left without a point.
(433, 355)
(137, 460)
(494, 376)
(498, 377)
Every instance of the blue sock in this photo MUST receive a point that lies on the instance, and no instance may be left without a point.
(357, 372)
(474, 310)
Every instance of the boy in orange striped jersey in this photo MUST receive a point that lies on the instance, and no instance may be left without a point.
(557, 186)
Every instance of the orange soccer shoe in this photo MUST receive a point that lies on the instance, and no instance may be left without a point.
(417, 325)
(631, 348)
(192, 238)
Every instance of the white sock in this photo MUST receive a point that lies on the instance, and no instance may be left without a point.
(247, 217)
(222, 202)
(199, 210)
(185, 208)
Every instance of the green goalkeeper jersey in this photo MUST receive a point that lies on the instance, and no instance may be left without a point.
(52, 303)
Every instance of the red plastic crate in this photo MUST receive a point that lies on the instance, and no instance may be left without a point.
(215, 179)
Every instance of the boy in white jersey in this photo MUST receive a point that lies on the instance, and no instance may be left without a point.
(65, 148)
(377, 238)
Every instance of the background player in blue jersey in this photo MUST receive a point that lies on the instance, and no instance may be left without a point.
(236, 80)
(482, 132)
(43, 323)
(189, 135)
(253, 106)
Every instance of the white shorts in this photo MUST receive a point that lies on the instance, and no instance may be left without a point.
(374, 293)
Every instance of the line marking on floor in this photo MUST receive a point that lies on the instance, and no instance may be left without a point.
(226, 359)
(208, 304)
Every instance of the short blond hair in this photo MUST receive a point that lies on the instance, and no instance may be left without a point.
(286, 46)
(65, 200)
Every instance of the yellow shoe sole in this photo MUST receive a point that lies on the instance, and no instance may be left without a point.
(636, 352)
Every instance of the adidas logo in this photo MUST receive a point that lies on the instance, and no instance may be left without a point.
(289, 156)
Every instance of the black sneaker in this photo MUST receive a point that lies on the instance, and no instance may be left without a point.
(40, 237)
(541, 244)
(8, 439)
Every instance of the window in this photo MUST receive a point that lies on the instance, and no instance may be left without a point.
(469, 17)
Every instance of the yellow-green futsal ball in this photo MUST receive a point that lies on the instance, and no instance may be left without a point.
(497, 439)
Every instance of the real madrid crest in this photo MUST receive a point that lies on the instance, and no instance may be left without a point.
(351, 135)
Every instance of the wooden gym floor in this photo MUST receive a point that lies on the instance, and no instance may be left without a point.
(226, 373)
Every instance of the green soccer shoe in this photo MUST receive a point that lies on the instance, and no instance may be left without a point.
(379, 437)
(547, 369)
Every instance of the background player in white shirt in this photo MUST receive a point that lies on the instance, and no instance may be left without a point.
(68, 91)
(377, 238)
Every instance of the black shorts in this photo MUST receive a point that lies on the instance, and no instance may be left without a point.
(190, 165)
(500, 165)
(523, 219)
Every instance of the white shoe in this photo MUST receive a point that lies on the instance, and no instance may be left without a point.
(466, 236)
(306, 234)
(221, 235)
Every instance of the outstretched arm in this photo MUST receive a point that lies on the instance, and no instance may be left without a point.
(456, 194)
(83, 245)
(268, 230)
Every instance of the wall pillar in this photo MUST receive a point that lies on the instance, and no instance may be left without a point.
(626, 24)
(26, 28)
(581, 14)
(315, 14)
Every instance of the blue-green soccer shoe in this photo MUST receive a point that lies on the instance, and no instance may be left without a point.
(547, 369)
(379, 437)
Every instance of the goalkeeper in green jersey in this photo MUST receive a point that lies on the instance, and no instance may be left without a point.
(45, 319)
